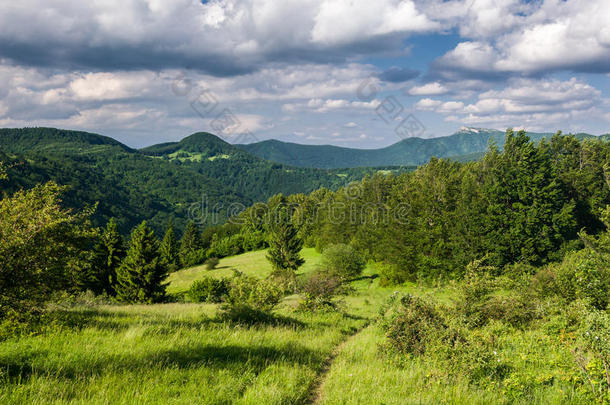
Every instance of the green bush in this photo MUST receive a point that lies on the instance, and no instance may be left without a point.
(474, 293)
(209, 290)
(320, 291)
(412, 325)
(247, 291)
(211, 263)
(343, 261)
(584, 275)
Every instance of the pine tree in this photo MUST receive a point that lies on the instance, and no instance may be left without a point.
(110, 251)
(169, 248)
(284, 245)
(191, 250)
(141, 275)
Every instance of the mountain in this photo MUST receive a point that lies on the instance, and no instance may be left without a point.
(201, 177)
(466, 144)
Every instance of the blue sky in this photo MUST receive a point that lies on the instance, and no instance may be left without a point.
(346, 72)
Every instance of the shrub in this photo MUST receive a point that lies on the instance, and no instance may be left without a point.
(474, 293)
(516, 309)
(250, 292)
(209, 290)
(211, 263)
(584, 275)
(343, 261)
(320, 290)
(412, 325)
(544, 282)
(593, 358)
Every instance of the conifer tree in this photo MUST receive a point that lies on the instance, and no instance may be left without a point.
(141, 276)
(110, 251)
(169, 248)
(191, 249)
(284, 245)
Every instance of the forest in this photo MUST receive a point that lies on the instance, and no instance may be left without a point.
(477, 282)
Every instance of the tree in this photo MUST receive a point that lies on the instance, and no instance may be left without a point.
(528, 215)
(342, 261)
(284, 245)
(142, 274)
(191, 249)
(109, 252)
(43, 247)
(169, 249)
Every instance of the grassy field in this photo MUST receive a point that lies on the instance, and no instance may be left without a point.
(184, 354)
(251, 263)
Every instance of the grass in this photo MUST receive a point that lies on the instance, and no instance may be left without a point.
(183, 353)
(176, 353)
(251, 263)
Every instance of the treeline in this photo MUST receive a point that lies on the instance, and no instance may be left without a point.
(524, 204)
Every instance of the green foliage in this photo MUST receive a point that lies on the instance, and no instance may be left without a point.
(209, 290)
(320, 291)
(474, 292)
(412, 325)
(43, 248)
(342, 261)
(191, 252)
(142, 274)
(110, 251)
(584, 275)
(593, 356)
(169, 249)
(284, 246)
(211, 263)
(247, 291)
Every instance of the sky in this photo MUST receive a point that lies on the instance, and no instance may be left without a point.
(355, 73)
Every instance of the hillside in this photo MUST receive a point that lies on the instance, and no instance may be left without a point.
(158, 182)
(466, 144)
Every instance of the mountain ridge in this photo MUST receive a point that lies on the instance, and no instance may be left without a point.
(468, 141)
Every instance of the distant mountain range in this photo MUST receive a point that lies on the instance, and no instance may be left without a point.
(466, 144)
(177, 179)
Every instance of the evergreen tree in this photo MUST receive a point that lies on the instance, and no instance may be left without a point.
(284, 245)
(142, 273)
(169, 248)
(109, 251)
(191, 247)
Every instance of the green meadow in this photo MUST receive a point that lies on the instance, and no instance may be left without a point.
(183, 353)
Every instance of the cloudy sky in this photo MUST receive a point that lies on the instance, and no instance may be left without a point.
(356, 73)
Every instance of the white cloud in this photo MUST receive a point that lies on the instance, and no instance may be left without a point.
(533, 37)
(344, 21)
(429, 89)
(524, 102)
(325, 105)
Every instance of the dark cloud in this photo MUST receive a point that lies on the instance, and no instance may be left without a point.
(398, 75)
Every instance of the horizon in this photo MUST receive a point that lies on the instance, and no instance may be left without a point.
(352, 74)
(461, 129)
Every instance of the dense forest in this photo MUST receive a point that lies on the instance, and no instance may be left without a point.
(525, 204)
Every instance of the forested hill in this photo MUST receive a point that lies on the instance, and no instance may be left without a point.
(155, 183)
(466, 144)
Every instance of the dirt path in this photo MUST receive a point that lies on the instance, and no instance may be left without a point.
(317, 386)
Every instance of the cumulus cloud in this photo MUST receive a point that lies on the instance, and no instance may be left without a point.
(429, 89)
(531, 38)
(220, 37)
(525, 103)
